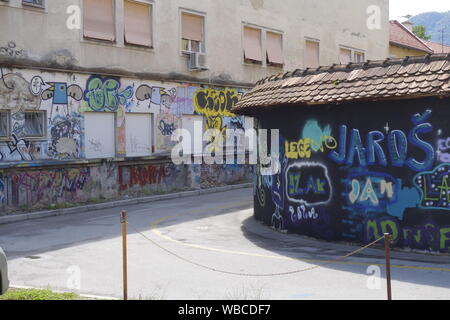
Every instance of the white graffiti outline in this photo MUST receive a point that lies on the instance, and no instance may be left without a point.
(308, 164)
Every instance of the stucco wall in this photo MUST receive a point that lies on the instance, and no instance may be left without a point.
(42, 35)
(399, 52)
(357, 171)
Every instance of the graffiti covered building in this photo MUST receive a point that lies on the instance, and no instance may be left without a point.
(363, 150)
(70, 137)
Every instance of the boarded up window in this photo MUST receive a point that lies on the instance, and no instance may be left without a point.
(137, 20)
(194, 125)
(252, 44)
(100, 135)
(274, 43)
(98, 22)
(345, 56)
(139, 132)
(192, 27)
(312, 54)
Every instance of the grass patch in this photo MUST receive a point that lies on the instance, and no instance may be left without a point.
(38, 294)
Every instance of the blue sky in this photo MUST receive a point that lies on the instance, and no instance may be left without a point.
(400, 8)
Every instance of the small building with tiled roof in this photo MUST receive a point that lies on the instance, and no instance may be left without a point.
(363, 150)
(437, 47)
(403, 42)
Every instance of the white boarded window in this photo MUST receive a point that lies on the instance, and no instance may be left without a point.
(100, 132)
(311, 54)
(345, 56)
(252, 45)
(194, 125)
(139, 133)
(137, 22)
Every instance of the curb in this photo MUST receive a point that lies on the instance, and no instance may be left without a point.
(112, 204)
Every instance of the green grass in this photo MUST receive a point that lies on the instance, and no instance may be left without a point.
(38, 294)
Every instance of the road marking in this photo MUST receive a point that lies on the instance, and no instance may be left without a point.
(155, 229)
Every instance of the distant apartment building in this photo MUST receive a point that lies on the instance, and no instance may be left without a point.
(91, 91)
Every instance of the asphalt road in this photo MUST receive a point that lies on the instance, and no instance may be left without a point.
(83, 253)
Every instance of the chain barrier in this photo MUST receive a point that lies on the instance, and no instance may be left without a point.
(327, 263)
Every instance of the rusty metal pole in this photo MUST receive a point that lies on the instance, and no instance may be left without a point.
(387, 245)
(123, 221)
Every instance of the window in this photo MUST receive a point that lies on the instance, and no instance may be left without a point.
(98, 20)
(252, 45)
(311, 54)
(359, 57)
(139, 134)
(100, 134)
(192, 32)
(274, 49)
(36, 3)
(345, 56)
(137, 21)
(4, 124)
(35, 124)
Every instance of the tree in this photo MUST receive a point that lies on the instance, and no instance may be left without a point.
(421, 32)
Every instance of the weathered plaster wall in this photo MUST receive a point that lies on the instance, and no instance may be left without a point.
(43, 36)
(356, 171)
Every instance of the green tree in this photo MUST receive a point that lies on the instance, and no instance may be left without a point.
(421, 32)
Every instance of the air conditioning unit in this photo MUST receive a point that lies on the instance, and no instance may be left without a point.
(197, 61)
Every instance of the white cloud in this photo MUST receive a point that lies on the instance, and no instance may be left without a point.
(399, 8)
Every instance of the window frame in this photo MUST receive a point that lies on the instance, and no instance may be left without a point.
(151, 6)
(353, 52)
(35, 5)
(316, 41)
(44, 125)
(361, 53)
(202, 44)
(247, 61)
(273, 64)
(97, 40)
(8, 125)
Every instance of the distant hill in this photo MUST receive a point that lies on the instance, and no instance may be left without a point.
(434, 22)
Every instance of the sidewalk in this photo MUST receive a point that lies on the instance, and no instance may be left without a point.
(113, 204)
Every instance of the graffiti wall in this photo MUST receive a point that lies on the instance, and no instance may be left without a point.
(48, 119)
(47, 112)
(358, 171)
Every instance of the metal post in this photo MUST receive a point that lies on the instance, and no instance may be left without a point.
(387, 245)
(123, 221)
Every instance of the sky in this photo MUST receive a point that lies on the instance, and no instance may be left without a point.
(400, 8)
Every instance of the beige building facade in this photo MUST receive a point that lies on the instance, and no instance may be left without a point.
(93, 91)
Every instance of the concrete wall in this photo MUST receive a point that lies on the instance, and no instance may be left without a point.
(357, 171)
(42, 35)
(70, 184)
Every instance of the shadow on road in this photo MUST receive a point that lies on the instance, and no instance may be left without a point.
(318, 252)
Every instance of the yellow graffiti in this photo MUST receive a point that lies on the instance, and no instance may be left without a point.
(214, 103)
(304, 148)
